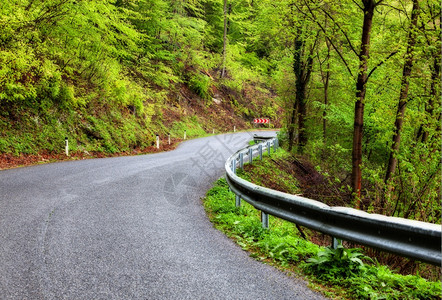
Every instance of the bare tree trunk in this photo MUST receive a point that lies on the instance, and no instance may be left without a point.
(356, 176)
(223, 72)
(408, 64)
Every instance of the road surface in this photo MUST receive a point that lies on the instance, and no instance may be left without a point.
(127, 228)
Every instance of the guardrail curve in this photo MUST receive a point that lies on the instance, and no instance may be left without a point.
(409, 238)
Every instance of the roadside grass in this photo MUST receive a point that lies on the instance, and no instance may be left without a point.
(338, 273)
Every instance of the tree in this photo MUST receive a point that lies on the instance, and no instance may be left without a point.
(432, 34)
(304, 45)
(368, 9)
(302, 68)
(403, 96)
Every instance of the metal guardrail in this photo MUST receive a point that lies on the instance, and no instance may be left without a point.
(409, 238)
(258, 138)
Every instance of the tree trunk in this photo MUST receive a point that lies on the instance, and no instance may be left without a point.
(301, 95)
(356, 176)
(326, 81)
(408, 64)
(223, 71)
(297, 69)
(324, 113)
(291, 126)
(435, 76)
(302, 67)
(302, 111)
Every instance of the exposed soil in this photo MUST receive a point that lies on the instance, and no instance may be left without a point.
(315, 185)
(226, 108)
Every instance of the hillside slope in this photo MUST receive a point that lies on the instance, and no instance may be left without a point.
(111, 75)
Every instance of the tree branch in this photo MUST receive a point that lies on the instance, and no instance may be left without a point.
(325, 34)
(343, 32)
(310, 59)
(357, 4)
(395, 8)
(380, 64)
(378, 3)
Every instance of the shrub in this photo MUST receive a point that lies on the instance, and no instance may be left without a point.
(335, 264)
(200, 84)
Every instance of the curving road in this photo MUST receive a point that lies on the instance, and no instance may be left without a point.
(127, 228)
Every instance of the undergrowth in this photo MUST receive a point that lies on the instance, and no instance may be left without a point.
(340, 272)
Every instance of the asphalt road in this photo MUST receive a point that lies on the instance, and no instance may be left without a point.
(127, 228)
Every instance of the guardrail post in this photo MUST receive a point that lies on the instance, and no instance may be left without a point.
(250, 155)
(268, 148)
(241, 160)
(265, 220)
(234, 166)
(260, 151)
(275, 145)
(335, 242)
(237, 200)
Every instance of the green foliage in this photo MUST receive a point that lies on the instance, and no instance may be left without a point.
(381, 283)
(191, 125)
(336, 264)
(103, 70)
(200, 84)
(121, 61)
(345, 267)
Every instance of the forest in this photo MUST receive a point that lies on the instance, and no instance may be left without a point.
(353, 84)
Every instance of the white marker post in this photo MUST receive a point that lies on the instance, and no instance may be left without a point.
(158, 141)
(168, 138)
(66, 146)
(234, 128)
(185, 134)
